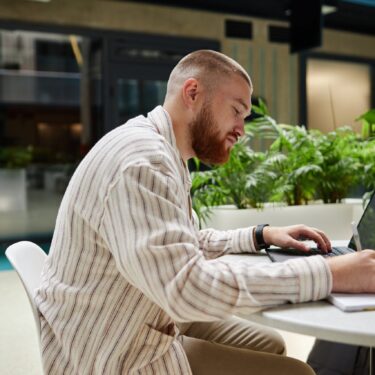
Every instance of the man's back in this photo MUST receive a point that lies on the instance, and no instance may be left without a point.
(94, 321)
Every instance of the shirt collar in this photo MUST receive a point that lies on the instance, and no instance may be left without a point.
(162, 121)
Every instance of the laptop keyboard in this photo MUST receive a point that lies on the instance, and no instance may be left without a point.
(314, 251)
(338, 251)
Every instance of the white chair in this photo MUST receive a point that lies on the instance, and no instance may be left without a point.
(27, 258)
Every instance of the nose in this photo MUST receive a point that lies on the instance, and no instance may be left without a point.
(240, 128)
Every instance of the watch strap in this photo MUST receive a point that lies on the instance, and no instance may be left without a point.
(261, 244)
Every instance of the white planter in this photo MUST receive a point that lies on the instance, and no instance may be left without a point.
(334, 219)
(12, 190)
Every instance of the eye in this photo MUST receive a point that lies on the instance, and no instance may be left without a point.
(236, 111)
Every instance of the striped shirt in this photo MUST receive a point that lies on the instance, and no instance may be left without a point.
(127, 262)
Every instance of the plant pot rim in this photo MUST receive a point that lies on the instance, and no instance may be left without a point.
(270, 205)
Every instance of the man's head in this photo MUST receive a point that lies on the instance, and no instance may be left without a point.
(209, 93)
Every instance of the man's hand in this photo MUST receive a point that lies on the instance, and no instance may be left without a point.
(288, 237)
(353, 273)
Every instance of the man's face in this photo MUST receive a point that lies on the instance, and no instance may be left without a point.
(220, 121)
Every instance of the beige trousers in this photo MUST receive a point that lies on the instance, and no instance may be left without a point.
(237, 347)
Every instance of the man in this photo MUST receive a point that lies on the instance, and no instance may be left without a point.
(131, 286)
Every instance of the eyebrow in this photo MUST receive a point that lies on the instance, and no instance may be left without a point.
(239, 100)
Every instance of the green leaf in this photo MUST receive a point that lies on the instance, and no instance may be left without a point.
(368, 116)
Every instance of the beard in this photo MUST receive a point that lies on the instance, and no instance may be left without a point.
(207, 143)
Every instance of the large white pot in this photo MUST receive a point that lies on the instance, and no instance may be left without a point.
(334, 219)
(13, 190)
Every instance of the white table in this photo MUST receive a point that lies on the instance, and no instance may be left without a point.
(321, 320)
(318, 319)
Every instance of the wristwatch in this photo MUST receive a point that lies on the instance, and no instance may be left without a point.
(261, 244)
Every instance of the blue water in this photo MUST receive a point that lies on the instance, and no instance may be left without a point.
(4, 263)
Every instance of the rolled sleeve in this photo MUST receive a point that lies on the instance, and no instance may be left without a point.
(243, 241)
(215, 243)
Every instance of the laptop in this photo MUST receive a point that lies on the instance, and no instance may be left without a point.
(366, 234)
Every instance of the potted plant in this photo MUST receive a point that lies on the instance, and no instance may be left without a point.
(298, 165)
(13, 161)
(340, 165)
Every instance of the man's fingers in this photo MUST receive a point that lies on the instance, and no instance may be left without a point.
(294, 244)
(290, 237)
(325, 238)
(318, 237)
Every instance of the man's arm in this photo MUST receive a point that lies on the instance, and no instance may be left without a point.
(215, 243)
(154, 243)
(351, 273)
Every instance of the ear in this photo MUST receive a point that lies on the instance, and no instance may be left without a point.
(191, 92)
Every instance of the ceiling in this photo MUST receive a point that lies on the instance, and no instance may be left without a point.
(350, 15)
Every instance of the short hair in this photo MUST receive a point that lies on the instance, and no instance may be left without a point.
(208, 67)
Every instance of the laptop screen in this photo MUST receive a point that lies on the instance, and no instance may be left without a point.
(366, 227)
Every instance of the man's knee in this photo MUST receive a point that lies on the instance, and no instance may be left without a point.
(295, 366)
(277, 343)
(263, 339)
(238, 333)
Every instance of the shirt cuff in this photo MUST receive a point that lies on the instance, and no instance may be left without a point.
(242, 240)
(315, 277)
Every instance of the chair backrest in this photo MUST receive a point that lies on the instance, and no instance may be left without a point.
(28, 259)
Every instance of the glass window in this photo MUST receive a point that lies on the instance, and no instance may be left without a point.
(135, 97)
(153, 94)
(128, 99)
(41, 129)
